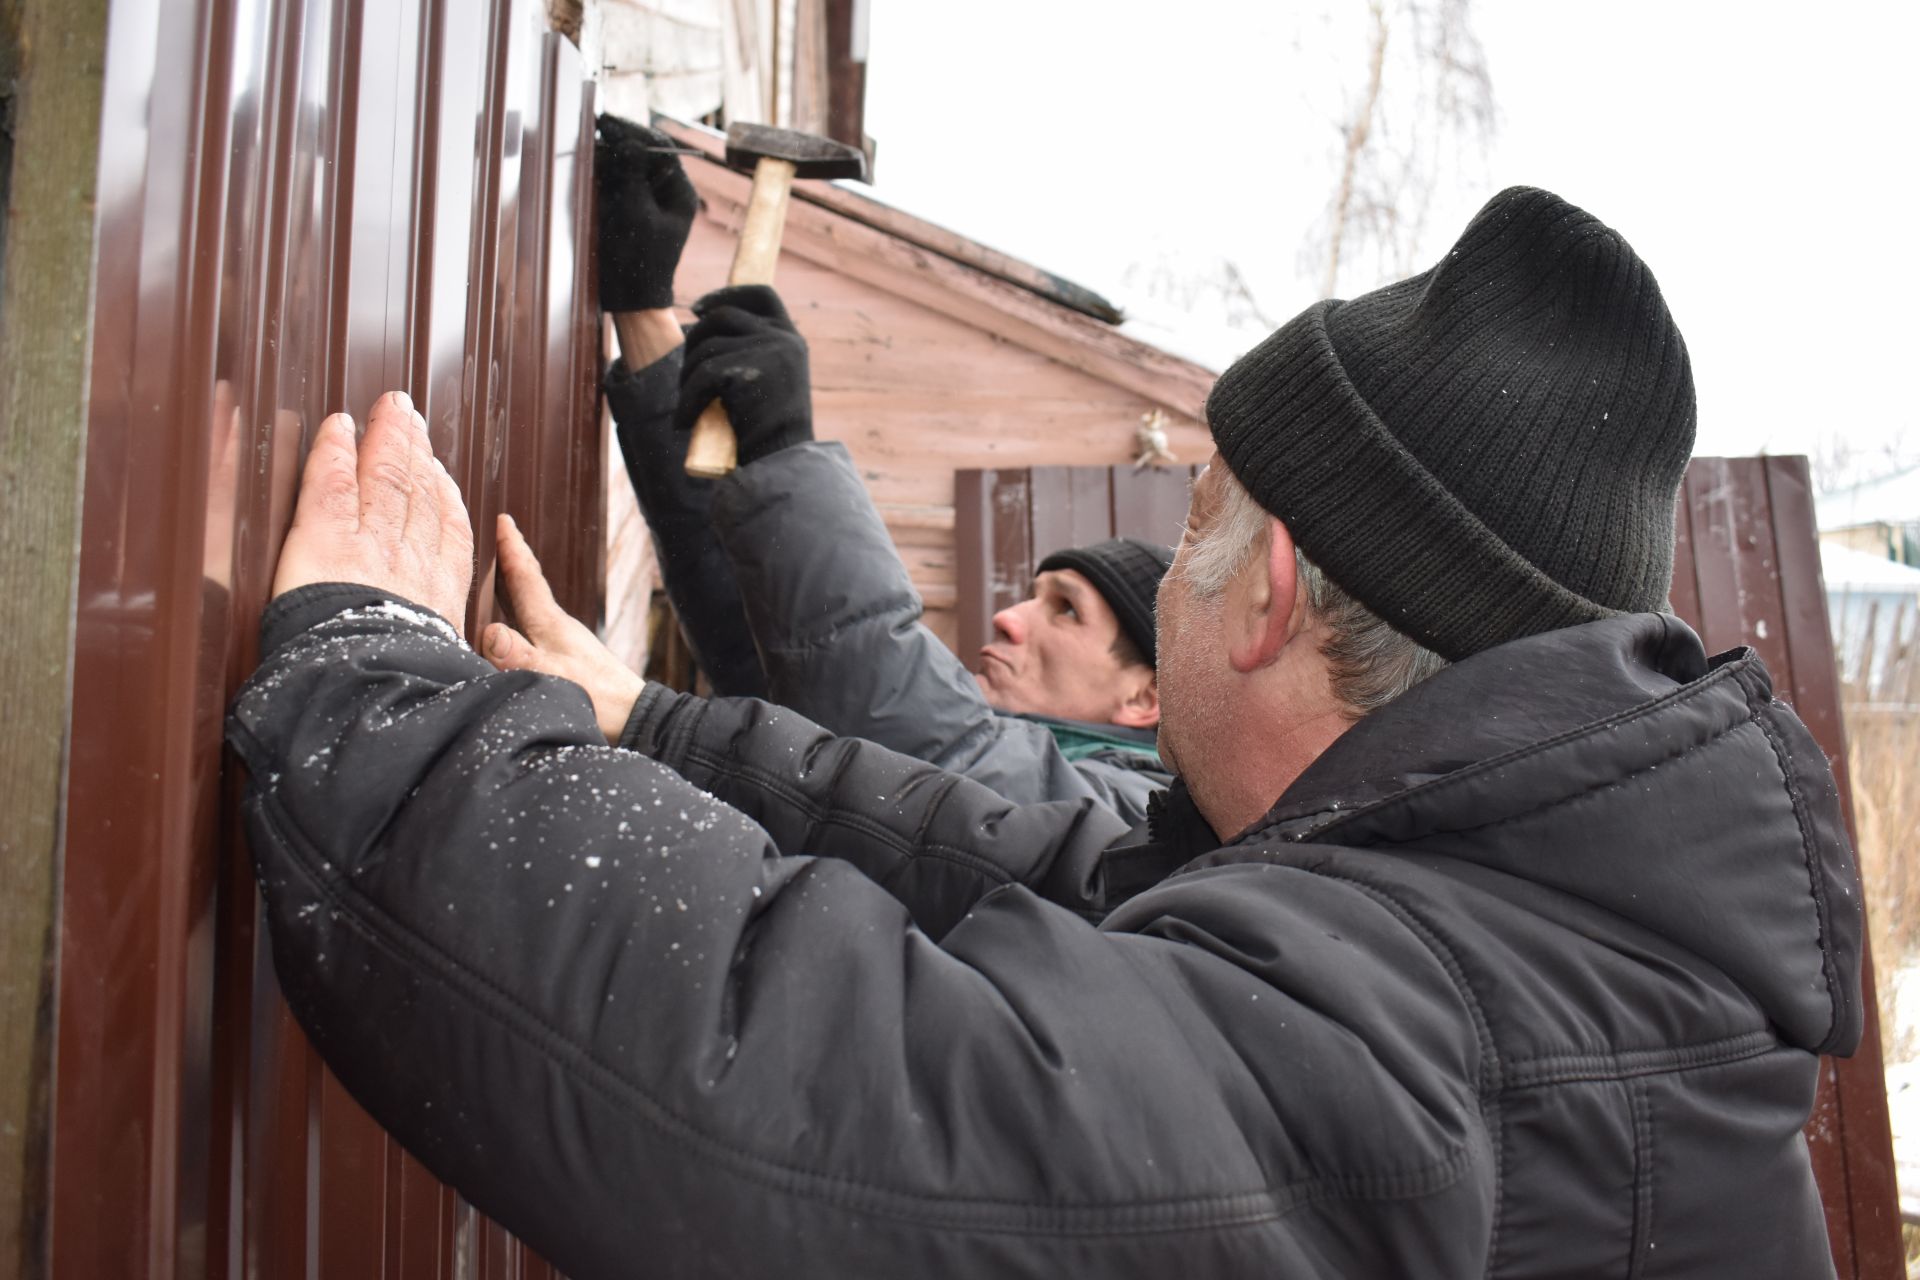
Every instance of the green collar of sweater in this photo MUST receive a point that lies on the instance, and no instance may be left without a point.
(1078, 739)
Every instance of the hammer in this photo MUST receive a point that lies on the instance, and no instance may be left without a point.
(776, 157)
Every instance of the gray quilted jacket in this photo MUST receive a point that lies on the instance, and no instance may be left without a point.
(806, 560)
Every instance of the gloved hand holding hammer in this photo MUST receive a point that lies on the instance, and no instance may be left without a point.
(644, 209)
(746, 354)
(744, 390)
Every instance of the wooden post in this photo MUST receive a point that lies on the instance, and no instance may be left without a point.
(51, 56)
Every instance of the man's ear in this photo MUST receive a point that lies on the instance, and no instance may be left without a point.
(1141, 710)
(1261, 604)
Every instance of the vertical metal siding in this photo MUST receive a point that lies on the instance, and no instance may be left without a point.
(303, 203)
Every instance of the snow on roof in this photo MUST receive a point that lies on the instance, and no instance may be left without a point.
(1889, 499)
(1846, 569)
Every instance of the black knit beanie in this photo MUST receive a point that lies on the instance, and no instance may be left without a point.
(1126, 572)
(1488, 450)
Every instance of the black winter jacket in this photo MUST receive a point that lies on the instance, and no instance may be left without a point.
(1525, 976)
(790, 550)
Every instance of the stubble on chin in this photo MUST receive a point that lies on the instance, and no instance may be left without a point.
(1191, 705)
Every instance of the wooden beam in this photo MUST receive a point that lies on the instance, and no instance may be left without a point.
(55, 50)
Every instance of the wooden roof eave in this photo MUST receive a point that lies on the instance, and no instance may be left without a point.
(865, 240)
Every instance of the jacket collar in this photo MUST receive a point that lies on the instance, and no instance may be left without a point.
(1616, 764)
(1078, 739)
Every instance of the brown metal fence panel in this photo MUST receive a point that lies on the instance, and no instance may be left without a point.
(1750, 574)
(303, 203)
(1746, 572)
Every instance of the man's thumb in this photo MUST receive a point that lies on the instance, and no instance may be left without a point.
(508, 650)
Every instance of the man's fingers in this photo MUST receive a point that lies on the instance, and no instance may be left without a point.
(330, 482)
(456, 526)
(520, 576)
(426, 515)
(393, 465)
(617, 130)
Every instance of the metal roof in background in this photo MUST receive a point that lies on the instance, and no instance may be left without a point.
(303, 203)
(1889, 499)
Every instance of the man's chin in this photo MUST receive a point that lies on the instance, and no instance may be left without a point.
(1006, 701)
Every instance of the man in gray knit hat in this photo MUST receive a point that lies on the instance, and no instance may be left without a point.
(1492, 930)
(784, 577)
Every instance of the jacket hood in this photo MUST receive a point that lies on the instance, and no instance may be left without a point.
(1616, 762)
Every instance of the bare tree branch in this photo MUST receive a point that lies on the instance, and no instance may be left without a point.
(1358, 132)
(1427, 104)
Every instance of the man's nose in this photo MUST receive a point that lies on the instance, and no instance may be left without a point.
(1011, 623)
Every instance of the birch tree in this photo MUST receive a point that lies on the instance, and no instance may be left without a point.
(1423, 112)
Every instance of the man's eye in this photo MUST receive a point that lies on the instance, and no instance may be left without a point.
(1069, 611)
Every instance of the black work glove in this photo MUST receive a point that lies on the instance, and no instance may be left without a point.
(746, 353)
(643, 204)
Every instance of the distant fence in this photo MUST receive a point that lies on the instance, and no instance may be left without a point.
(1877, 638)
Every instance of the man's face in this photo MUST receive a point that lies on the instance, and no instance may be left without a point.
(1052, 654)
(1195, 679)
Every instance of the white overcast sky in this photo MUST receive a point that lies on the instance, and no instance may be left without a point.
(1760, 156)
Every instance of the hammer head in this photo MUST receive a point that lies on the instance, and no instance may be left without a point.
(811, 155)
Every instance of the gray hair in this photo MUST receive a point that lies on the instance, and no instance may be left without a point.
(1371, 663)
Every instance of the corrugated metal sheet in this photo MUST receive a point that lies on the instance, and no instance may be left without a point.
(1746, 572)
(303, 203)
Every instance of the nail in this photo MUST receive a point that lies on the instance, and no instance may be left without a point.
(405, 401)
(497, 641)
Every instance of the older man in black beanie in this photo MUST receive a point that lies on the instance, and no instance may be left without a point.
(1495, 931)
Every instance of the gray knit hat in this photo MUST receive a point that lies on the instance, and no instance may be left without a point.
(1488, 450)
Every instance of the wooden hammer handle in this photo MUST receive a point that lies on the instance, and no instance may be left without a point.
(713, 451)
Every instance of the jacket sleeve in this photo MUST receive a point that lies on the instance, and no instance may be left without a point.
(936, 840)
(676, 506)
(837, 622)
(596, 1000)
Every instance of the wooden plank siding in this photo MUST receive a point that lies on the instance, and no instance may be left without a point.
(1746, 572)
